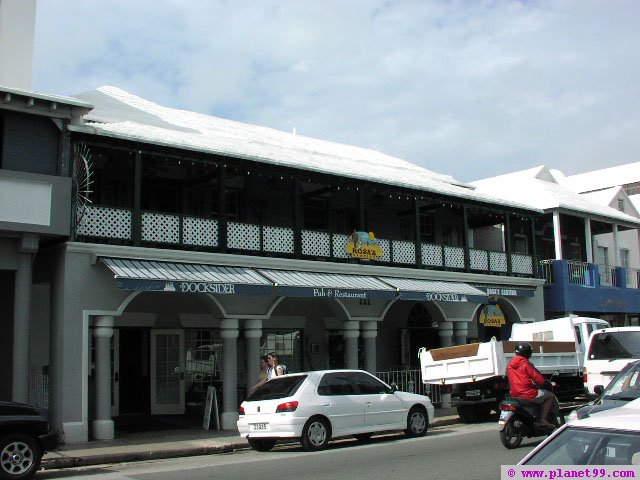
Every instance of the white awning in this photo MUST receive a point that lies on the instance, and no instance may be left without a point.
(436, 291)
(290, 283)
(148, 275)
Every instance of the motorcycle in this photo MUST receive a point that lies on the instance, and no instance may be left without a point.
(519, 419)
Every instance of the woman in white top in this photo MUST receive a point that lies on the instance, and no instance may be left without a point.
(275, 369)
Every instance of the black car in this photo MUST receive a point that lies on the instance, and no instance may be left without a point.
(24, 437)
(622, 388)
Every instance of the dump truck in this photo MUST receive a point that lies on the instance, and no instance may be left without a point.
(476, 372)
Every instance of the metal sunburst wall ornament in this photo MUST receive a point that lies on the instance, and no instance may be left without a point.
(82, 181)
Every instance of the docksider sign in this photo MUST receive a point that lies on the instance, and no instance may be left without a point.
(441, 297)
(193, 287)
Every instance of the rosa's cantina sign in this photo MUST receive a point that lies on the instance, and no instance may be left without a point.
(363, 245)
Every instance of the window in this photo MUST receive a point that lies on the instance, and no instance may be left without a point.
(426, 227)
(621, 204)
(287, 343)
(315, 213)
(520, 243)
(368, 385)
(624, 258)
(203, 365)
(281, 387)
(574, 251)
(584, 446)
(335, 384)
(603, 257)
(614, 345)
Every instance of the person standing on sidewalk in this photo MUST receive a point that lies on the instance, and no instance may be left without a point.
(275, 369)
(264, 370)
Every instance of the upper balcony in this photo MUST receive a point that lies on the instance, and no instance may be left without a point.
(105, 224)
(581, 287)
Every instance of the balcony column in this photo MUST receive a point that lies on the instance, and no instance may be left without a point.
(102, 426)
(616, 246)
(229, 335)
(351, 333)
(466, 243)
(22, 318)
(588, 240)
(222, 208)
(252, 335)
(445, 330)
(369, 332)
(557, 235)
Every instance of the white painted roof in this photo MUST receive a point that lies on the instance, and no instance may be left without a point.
(539, 188)
(45, 96)
(607, 177)
(122, 115)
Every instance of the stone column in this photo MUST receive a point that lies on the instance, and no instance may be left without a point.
(460, 332)
(229, 334)
(21, 318)
(588, 240)
(102, 426)
(369, 334)
(252, 334)
(557, 235)
(350, 333)
(616, 247)
(445, 330)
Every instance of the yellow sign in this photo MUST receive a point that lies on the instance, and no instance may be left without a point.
(492, 316)
(363, 245)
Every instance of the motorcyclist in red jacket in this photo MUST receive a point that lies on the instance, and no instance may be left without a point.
(525, 382)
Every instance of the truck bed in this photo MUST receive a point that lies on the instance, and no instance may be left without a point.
(480, 361)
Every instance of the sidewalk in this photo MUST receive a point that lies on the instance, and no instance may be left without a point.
(131, 447)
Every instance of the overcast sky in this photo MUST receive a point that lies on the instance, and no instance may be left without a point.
(469, 88)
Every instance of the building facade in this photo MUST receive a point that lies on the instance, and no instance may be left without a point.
(587, 241)
(192, 245)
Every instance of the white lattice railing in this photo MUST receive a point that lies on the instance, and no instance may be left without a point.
(522, 264)
(173, 229)
(104, 222)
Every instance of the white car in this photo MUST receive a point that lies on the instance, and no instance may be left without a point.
(320, 405)
(610, 437)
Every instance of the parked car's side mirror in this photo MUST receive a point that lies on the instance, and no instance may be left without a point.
(598, 389)
(394, 387)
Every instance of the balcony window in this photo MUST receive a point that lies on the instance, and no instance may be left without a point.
(520, 244)
(315, 213)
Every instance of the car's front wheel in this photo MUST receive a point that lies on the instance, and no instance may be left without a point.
(20, 456)
(261, 444)
(316, 434)
(417, 422)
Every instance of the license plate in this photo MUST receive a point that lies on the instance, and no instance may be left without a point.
(473, 393)
(503, 414)
(258, 427)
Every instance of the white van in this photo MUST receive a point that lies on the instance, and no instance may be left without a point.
(610, 349)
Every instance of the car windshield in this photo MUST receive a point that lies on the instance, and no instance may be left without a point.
(277, 388)
(613, 345)
(625, 386)
(587, 446)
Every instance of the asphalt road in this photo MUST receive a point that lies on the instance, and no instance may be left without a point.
(455, 452)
